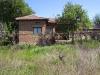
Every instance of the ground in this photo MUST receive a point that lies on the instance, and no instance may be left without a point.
(78, 59)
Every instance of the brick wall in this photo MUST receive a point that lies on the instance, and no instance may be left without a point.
(26, 31)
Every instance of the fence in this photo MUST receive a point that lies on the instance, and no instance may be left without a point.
(79, 35)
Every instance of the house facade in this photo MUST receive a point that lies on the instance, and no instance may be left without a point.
(29, 27)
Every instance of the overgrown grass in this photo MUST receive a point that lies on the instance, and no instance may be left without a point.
(89, 44)
(36, 60)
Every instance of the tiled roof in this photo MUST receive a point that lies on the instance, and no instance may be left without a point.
(34, 17)
(97, 26)
(51, 20)
(29, 17)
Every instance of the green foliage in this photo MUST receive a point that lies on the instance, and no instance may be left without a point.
(97, 20)
(10, 9)
(22, 8)
(74, 17)
(7, 37)
(22, 47)
(90, 44)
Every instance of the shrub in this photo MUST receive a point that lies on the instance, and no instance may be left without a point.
(95, 36)
(6, 40)
(46, 39)
(5, 35)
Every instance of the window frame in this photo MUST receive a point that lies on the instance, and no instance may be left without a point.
(37, 30)
(38, 27)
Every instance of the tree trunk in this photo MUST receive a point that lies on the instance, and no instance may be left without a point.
(73, 41)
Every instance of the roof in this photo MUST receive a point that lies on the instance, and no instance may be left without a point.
(30, 17)
(34, 17)
(51, 20)
(97, 26)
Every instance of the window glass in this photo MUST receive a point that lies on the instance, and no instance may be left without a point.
(37, 29)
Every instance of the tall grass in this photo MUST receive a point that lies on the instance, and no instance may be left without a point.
(36, 60)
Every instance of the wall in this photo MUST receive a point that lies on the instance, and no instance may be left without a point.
(26, 31)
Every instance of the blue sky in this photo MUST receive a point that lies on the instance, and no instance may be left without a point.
(50, 8)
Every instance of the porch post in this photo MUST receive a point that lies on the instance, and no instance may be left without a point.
(53, 29)
(44, 28)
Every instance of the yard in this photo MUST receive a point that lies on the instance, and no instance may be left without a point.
(58, 59)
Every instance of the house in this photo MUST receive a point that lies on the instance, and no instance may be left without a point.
(97, 26)
(30, 26)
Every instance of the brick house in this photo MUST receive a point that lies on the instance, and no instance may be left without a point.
(30, 26)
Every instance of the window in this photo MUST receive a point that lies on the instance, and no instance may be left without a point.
(37, 29)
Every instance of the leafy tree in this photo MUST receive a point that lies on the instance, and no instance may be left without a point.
(73, 18)
(96, 36)
(97, 20)
(10, 9)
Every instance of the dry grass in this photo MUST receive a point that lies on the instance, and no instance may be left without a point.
(45, 61)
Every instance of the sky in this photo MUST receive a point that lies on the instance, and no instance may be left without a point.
(50, 8)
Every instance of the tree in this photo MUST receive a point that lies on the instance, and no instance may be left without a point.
(97, 21)
(96, 35)
(10, 9)
(73, 18)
